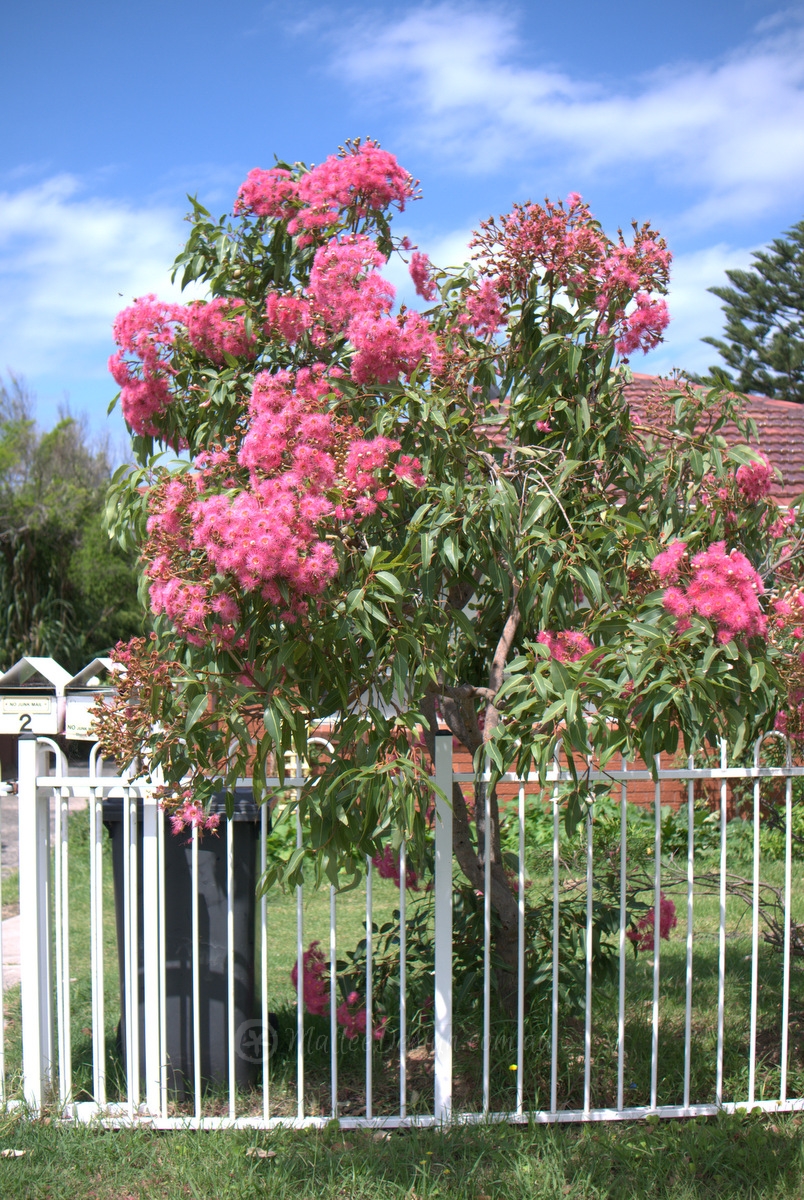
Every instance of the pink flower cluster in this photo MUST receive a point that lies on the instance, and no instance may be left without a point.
(667, 564)
(315, 985)
(564, 246)
(185, 813)
(643, 936)
(145, 333)
(643, 328)
(420, 274)
(723, 588)
(142, 366)
(304, 470)
(351, 1014)
(568, 645)
(387, 867)
(362, 178)
(755, 479)
(218, 327)
(484, 310)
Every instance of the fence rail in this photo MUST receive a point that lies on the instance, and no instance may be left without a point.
(602, 1023)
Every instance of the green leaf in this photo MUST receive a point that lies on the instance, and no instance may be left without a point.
(195, 710)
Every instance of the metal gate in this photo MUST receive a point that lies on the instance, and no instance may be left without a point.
(552, 1078)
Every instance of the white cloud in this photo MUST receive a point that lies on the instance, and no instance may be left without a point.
(731, 133)
(68, 263)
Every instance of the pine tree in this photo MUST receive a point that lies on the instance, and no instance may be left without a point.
(763, 341)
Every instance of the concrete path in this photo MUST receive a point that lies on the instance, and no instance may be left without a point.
(11, 952)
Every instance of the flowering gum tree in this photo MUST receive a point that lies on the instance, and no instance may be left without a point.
(395, 519)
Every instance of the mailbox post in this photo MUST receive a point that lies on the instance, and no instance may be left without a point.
(32, 705)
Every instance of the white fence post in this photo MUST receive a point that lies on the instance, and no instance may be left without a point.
(443, 929)
(35, 933)
(152, 951)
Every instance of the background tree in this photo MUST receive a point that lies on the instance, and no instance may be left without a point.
(66, 590)
(763, 342)
(362, 531)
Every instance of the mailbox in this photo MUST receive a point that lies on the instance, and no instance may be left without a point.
(32, 697)
(81, 690)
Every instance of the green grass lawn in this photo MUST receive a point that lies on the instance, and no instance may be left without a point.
(726, 1158)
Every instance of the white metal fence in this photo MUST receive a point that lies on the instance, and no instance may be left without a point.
(566, 1087)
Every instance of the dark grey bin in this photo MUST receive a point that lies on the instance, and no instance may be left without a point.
(213, 945)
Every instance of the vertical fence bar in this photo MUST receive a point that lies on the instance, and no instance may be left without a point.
(657, 938)
(690, 901)
(131, 923)
(266, 1025)
(752, 1046)
(623, 922)
(442, 1107)
(554, 1000)
(788, 896)
(487, 948)
(721, 965)
(152, 951)
(300, 974)
(520, 999)
(369, 995)
(403, 981)
(333, 1001)
(34, 852)
(163, 1063)
(196, 976)
(61, 799)
(587, 1019)
(96, 937)
(230, 967)
(2, 1000)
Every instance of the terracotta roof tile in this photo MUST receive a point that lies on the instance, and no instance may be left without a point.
(780, 426)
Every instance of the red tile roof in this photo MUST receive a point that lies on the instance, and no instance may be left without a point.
(780, 425)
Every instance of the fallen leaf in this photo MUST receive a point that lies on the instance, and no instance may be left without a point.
(258, 1152)
(11, 1153)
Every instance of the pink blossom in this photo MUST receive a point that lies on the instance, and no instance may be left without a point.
(218, 327)
(420, 274)
(723, 588)
(386, 348)
(344, 284)
(667, 564)
(362, 179)
(566, 646)
(267, 193)
(387, 867)
(644, 935)
(755, 479)
(315, 985)
(484, 311)
(288, 316)
(644, 327)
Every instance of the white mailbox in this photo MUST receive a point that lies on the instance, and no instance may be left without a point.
(32, 697)
(81, 692)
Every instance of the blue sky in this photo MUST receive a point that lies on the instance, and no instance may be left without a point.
(690, 115)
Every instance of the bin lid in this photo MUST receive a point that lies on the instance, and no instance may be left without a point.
(34, 674)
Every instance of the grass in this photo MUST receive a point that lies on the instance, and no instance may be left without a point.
(725, 1158)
